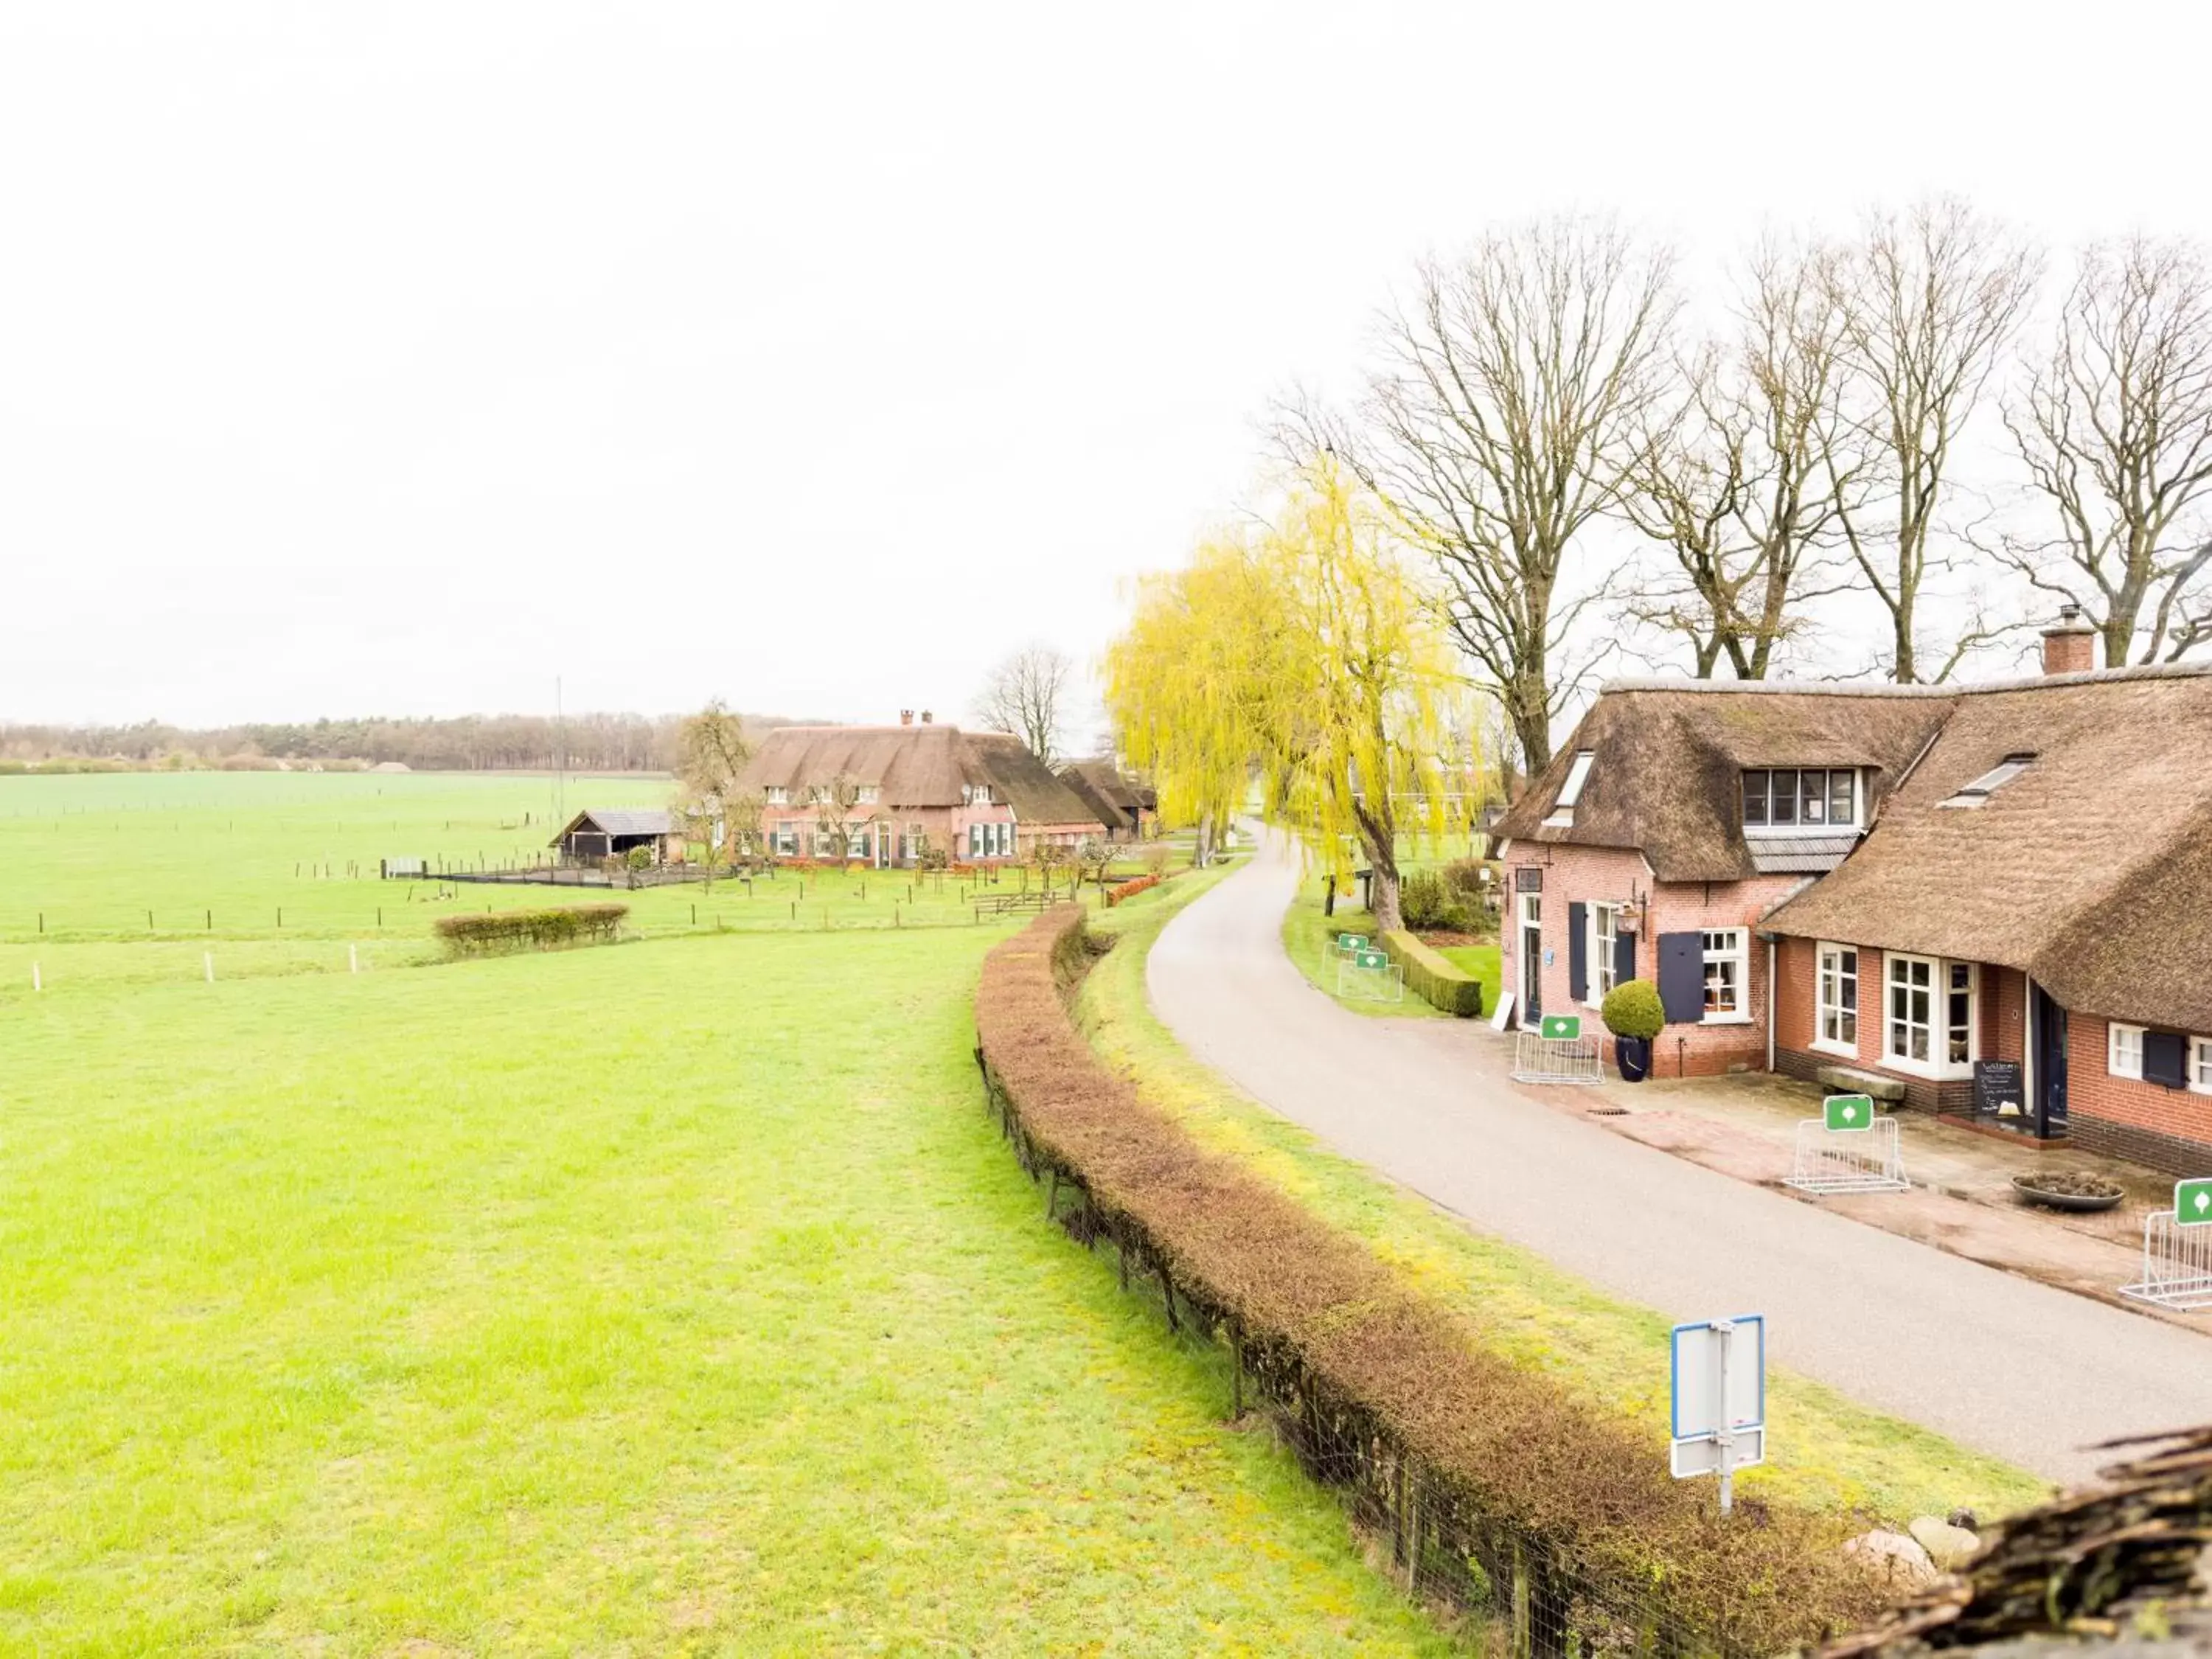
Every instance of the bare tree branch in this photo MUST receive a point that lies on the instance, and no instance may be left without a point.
(1026, 695)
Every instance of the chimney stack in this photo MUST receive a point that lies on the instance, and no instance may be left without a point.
(925, 717)
(906, 717)
(2069, 644)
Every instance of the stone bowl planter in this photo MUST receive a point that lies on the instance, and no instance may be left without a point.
(2077, 1192)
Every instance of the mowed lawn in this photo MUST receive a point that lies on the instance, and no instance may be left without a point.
(671, 1296)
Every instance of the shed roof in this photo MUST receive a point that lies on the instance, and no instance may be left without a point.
(1116, 798)
(620, 821)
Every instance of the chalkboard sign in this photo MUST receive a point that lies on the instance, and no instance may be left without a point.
(1998, 1089)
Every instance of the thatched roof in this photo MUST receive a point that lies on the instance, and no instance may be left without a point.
(1668, 755)
(2092, 869)
(915, 766)
(2130, 1561)
(1117, 797)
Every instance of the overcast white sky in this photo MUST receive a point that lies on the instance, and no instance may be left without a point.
(396, 359)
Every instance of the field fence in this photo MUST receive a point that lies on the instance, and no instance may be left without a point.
(1488, 1584)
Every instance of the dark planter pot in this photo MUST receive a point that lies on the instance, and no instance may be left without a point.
(1633, 1056)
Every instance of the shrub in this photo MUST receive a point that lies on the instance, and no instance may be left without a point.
(1632, 1009)
(1434, 979)
(1463, 880)
(1130, 889)
(516, 930)
(1387, 1373)
(1421, 900)
(638, 857)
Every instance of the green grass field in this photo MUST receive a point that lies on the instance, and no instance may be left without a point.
(1828, 1452)
(674, 1295)
(1309, 940)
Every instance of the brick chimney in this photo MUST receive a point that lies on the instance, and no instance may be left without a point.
(906, 717)
(2069, 644)
(925, 717)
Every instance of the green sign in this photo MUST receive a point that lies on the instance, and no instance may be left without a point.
(1848, 1111)
(1350, 941)
(1373, 959)
(2192, 1202)
(1560, 1028)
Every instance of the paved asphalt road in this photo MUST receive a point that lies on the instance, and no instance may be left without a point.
(2011, 1367)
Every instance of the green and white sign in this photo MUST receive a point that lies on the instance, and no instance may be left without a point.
(1560, 1028)
(2192, 1202)
(1848, 1111)
(1350, 941)
(1372, 959)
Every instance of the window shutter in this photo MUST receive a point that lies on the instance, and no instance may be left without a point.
(2163, 1054)
(1624, 959)
(1683, 977)
(1577, 950)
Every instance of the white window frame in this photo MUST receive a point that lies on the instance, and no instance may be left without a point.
(1797, 826)
(1738, 952)
(867, 794)
(1603, 929)
(2115, 1062)
(1828, 971)
(776, 795)
(2200, 1065)
(1939, 1064)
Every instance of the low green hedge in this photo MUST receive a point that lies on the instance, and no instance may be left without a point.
(518, 930)
(1436, 981)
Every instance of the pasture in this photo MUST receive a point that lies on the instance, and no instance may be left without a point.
(670, 1296)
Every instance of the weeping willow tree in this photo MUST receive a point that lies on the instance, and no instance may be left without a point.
(1303, 655)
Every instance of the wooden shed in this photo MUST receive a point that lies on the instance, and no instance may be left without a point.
(612, 832)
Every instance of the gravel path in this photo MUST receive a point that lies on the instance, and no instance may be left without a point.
(2015, 1368)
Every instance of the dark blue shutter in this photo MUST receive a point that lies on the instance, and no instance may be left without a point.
(1623, 958)
(1578, 952)
(2162, 1059)
(1683, 977)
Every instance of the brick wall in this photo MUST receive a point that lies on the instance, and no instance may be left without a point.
(1999, 1014)
(1594, 875)
(2167, 1128)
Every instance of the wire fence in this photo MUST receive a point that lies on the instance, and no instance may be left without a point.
(1489, 1584)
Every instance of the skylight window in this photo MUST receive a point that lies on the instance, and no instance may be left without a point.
(1978, 792)
(1562, 809)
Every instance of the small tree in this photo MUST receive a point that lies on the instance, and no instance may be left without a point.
(1092, 857)
(833, 802)
(711, 754)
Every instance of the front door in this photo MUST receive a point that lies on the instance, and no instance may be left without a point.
(2049, 1065)
(1532, 957)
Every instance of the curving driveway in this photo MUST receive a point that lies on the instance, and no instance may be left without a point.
(2012, 1368)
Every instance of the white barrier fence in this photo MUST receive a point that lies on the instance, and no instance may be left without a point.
(2177, 1263)
(1539, 1058)
(1371, 975)
(1867, 1160)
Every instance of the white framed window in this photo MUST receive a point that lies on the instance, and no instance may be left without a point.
(1908, 1033)
(2124, 1050)
(2200, 1065)
(1604, 932)
(776, 795)
(786, 842)
(858, 844)
(1797, 799)
(975, 794)
(1958, 1014)
(867, 794)
(1727, 998)
(1836, 999)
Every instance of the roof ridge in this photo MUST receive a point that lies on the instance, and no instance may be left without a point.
(2162, 671)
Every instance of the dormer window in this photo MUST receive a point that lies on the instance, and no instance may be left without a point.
(1978, 792)
(777, 795)
(867, 794)
(1798, 800)
(975, 794)
(1562, 809)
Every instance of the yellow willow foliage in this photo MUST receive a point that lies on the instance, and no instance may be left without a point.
(1307, 654)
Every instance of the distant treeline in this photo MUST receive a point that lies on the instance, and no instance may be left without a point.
(467, 743)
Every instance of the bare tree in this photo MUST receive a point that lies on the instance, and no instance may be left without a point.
(833, 802)
(1735, 481)
(1927, 302)
(2115, 427)
(711, 753)
(1026, 695)
(1509, 410)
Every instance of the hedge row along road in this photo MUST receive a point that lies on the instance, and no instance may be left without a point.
(2010, 1367)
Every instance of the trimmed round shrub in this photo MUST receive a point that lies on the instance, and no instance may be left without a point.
(1632, 1009)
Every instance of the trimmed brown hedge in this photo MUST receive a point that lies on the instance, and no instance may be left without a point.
(1129, 889)
(1434, 978)
(519, 930)
(1327, 1329)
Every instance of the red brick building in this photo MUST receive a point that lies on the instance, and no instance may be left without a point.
(887, 795)
(1993, 900)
